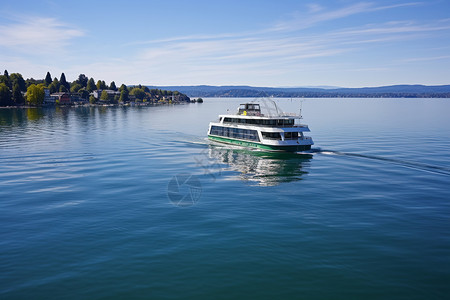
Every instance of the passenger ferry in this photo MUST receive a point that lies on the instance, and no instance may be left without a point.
(272, 131)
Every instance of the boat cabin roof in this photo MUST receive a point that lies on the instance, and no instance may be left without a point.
(261, 116)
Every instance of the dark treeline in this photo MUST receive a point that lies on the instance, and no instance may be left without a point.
(395, 91)
(236, 93)
(15, 91)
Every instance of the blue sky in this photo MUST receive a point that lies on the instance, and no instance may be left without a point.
(261, 43)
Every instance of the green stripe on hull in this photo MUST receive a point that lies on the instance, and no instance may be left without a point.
(258, 145)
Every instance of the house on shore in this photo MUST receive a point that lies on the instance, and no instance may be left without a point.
(111, 94)
(62, 97)
(65, 98)
(49, 99)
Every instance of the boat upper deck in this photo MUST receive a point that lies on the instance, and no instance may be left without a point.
(251, 114)
(261, 121)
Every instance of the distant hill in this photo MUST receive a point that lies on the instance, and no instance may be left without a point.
(393, 91)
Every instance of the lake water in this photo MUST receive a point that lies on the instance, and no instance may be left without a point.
(135, 203)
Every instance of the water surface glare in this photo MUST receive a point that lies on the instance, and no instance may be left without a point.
(136, 203)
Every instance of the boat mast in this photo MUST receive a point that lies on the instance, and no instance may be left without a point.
(301, 106)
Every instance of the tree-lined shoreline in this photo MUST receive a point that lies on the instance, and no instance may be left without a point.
(16, 91)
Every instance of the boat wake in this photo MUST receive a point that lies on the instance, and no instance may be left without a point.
(204, 142)
(407, 164)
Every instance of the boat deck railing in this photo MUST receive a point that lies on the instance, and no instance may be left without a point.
(263, 125)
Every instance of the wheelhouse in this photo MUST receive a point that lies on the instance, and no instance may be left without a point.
(249, 109)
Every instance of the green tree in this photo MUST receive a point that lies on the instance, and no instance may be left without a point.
(63, 89)
(123, 87)
(17, 95)
(17, 78)
(54, 86)
(6, 80)
(31, 81)
(2, 79)
(5, 95)
(138, 93)
(101, 85)
(92, 99)
(48, 79)
(112, 86)
(91, 85)
(104, 96)
(75, 88)
(64, 82)
(124, 96)
(83, 80)
(84, 93)
(35, 94)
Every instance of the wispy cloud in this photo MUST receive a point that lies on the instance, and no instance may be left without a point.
(37, 34)
(430, 58)
(314, 7)
(318, 14)
(395, 27)
(278, 47)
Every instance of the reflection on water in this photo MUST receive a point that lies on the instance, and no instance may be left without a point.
(11, 117)
(34, 114)
(262, 168)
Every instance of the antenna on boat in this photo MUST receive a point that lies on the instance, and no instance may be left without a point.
(276, 107)
(301, 106)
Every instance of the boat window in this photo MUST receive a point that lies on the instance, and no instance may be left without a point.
(254, 121)
(269, 122)
(216, 130)
(291, 135)
(287, 122)
(271, 135)
(227, 120)
(249, 106)
(226, 131)
(237, 133)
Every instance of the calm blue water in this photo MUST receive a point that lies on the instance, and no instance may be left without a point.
(134, 203)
